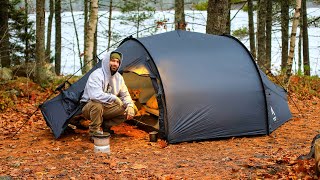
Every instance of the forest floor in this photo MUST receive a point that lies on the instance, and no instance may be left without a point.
(34, 153)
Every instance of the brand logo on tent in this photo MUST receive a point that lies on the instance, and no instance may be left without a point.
(274, 114)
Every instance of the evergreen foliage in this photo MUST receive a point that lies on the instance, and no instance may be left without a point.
(241, 32)
(201, 6)
(18, 36)
(135, 12)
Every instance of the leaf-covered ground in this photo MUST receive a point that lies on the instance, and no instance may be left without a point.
(34, 153)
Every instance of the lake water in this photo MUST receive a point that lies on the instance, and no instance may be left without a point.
(196, 22)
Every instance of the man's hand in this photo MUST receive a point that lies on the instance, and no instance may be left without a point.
(129, 113)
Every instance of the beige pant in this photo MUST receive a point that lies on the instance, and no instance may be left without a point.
(105, 115)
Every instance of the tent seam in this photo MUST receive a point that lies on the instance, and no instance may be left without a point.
(257, 69)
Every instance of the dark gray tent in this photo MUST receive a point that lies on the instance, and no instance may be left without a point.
(207, 86)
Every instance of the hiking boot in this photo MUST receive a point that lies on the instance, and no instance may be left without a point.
(94, 133)
(97, 132)
(108, 129)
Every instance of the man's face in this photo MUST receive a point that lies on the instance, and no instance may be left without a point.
(114, 65)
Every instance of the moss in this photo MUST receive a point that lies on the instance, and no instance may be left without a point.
(6, 100)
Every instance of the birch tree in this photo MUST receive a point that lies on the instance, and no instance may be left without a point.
(295, 24)
(88, 49)
(217, 19)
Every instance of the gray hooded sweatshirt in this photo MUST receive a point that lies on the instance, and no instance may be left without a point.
(104, 87)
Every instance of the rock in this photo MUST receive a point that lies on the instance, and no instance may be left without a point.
(24, 70)
(28, 70)
(5, 74)
(5, 177)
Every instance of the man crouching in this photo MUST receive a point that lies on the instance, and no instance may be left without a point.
(108, 102)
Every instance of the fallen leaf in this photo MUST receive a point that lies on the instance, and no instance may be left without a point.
(139, 166)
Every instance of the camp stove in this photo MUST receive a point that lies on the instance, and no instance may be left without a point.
(102, 143)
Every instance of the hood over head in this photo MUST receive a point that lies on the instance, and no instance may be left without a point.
(115, 55)
(106, 63)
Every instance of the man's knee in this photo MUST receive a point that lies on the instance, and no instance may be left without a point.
(112, 110)
(92, 108)
(96, 106)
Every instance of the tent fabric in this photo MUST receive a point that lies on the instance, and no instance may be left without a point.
(60, 109)
(207, 86)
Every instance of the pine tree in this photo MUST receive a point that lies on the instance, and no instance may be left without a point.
(179, 17)
(251, 29)
(21, 33)
(306, 59)
(41, 74)
(218, 14)
(57, 57)
(4, 37)
(136, 12)
(261, 35)
(284, 33)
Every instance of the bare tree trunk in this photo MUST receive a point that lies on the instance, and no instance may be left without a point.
(4, 34)
(86, 12)
(251, 30)
(95, 46)
(49, 30)
(306, 61)
(58, 37)
(85, 26)
(26, 53)
(109, 25)
(75, 30)
(217, 16)
(295, 24)
(138, 20)
(262, 35)
(268, 34)
(179, 17)
(41, 76)
(228, 25)
(90, 35)
(300, 50)
(284, 33)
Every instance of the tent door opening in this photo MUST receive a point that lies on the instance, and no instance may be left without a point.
(143, 94)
